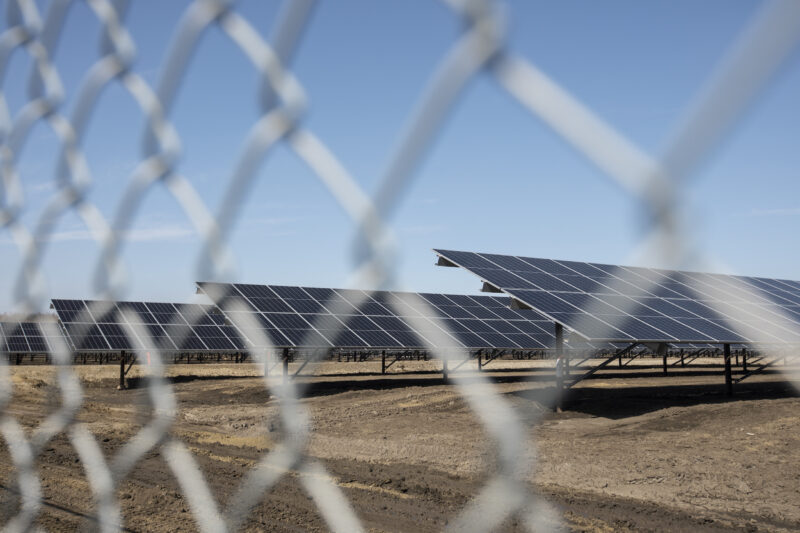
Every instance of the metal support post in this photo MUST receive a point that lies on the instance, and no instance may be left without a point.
(121, 371)
(728, 378)
(559, 364)
(661, 350)
(285, 365)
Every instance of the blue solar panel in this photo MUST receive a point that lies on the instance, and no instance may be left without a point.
(107, 326)
(27, 337)
(607, 302)
(354, 319)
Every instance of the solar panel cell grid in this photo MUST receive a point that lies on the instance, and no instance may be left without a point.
(295, 293)
(454, 311)
(391, 323)
(378, 338)
(502, 326)
(374, 308)
(547, 265)
(353, 296)
(17, 344)
(684, 299)
(586, 269)
(546, 302)
(455, 325)
(287, 321)
(470, 260)
(305, 306)
(496, 339)
(510, 263)
(521, 339)
(344, 337)
(378, 320)
(464, 338)
(484, 312)
(675, 329)
(160, 325)
(504, 312)
(502, 278)
(318, 293)
(37, 344)
(270, 305)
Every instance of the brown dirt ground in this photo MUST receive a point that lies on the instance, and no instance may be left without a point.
(633, 450)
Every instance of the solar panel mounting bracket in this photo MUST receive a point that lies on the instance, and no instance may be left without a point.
(488, 287)
(444, 262)
(519, 304)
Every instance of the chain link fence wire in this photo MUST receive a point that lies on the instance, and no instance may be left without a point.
(656, 184)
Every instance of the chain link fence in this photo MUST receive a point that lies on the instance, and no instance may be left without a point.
(656, 184)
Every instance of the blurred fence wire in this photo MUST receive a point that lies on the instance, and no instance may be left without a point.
(656, 184)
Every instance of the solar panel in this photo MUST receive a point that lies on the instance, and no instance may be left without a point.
(26, 337)
(622, 304)
(103, 326)
(327, 318)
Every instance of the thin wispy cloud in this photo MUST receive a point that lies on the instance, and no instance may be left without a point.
(162, 233)
(775, 212)
(142, 235)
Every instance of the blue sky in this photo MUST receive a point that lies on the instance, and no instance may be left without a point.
(496, 180)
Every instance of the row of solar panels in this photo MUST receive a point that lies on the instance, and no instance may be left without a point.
(36, 338)
(283, 316)
(600, 304)
(622, 304)
(305, 316)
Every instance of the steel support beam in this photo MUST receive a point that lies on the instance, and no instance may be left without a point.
(760, 369)
(133, 360)
(605, 363)
(728, 378)
(121, 385)
(305, 362)
(559, 331)
(285, 365)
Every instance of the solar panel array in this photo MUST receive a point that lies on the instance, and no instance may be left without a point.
(615, 303)
(320, 317)
(101, 326)
(24, 337)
